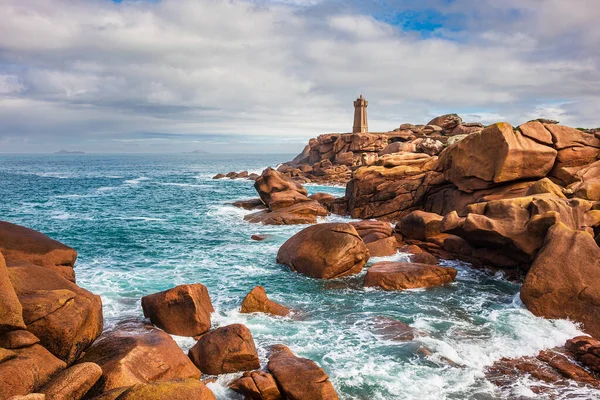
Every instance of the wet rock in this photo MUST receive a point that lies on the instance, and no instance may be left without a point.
(26, 370)
(402, 275)
(66, 318)
(496, 155)
(257, 385)
(133, 352)
(225, 350)
(301, 213)
(231, 175)
(259, 238)
(18, 339)
(253, 177)
(72, 383)
(586, 350)
(325, 251)
(257, 301)
(219, 176)
(252, 204)
(177, 389)
(557, 287)
(18, 243)
(299, 378)
(391, 329)
(420, 225)
(183, 310)
(11, 312)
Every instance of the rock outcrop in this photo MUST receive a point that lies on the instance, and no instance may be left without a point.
(325, 251)
(225, 350)
(299, 378)
(183, 310)
(257, 301)
(133, 353)
(11, 312)
(18, 243)
(401, 275)
(66, 318)
(564, 280)
(73, 383)
(176, 389)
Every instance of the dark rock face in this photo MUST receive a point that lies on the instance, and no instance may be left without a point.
(225, 350)
(18, 243)
(402, 275)
(134, 353)
(257, 301)
(563, 281)
(299, 378)
(183, 310)
(325, 251)
(66, 318)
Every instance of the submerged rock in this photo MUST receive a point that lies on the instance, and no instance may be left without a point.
(257, 301)
(225, 350)
(325, 251)
(299, 378)
(183, 310)
(401, 275)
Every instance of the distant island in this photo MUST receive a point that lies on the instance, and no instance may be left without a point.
(196, 152)
(69, 152)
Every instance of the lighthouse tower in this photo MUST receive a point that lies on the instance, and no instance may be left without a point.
(360, 116)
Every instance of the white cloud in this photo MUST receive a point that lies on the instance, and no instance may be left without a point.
(71, 70)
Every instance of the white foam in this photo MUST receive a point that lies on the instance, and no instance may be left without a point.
(136, 181)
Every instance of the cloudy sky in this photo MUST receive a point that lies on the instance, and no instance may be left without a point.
(252, 76)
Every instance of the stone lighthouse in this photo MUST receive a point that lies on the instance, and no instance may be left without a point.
(360, 116)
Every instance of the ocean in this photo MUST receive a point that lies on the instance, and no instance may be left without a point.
(145, 223)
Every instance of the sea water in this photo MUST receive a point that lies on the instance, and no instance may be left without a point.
(145, 223)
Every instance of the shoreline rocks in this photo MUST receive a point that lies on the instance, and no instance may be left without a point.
(391, 275)
(325, 251)
(257, 301)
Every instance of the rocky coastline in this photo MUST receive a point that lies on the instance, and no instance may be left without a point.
(524, 201)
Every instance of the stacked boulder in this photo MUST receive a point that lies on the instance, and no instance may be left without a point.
(287, 201)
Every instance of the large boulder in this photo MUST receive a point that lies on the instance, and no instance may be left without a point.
(497, 154)
(257, 385)
(447, 122)
(299, 378)
(564, 280)
(420, 225)
(73, 383)
(18, 243)
(133, 352)
(176, 389)
(11, 312)
(257, 301)
(225, 350)
(66, 318)
(277, 191)
(391, 275)
(516, 228)
(183, 310)
(325, 251)
(26, 370)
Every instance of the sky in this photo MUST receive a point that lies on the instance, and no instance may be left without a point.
(250, 76)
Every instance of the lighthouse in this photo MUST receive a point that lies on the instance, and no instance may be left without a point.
(360, 116)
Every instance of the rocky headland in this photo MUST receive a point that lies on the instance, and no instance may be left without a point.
(522, 200)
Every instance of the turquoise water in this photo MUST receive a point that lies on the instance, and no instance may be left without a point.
(145, 223)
